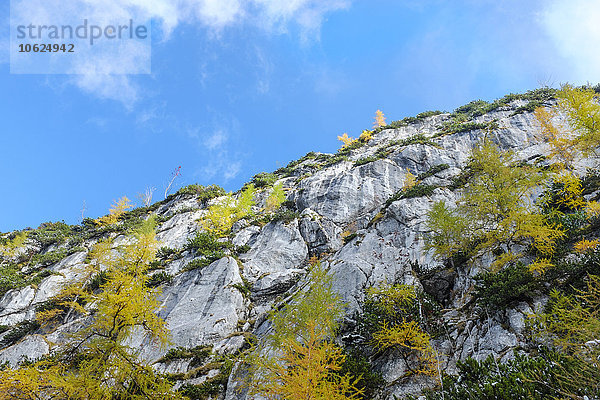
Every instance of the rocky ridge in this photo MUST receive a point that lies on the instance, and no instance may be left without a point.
(344, 209)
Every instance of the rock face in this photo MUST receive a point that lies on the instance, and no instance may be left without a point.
(342, 216)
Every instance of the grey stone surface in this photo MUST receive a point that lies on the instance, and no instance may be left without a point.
(213, 306)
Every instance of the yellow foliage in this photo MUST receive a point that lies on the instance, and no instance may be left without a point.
(410, 180)
(97, 363)
(573, 321)
(583, 115)
(313, 260)
(221, 215)
(365, 136)
(571, 193)
(119, 208)
(275, 199)
(495, 211)
(561, 145)
(307, 371)
(379, 119)
(409, 336)
(391, 298)
(592, 209)
(585, 245)
(540, 266)
(10, 248)
(347, 141)
(299, 360)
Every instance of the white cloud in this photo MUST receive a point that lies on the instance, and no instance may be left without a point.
(99, 76)
(232, 170)
(308, 14)
(574, 28)
(216, 140)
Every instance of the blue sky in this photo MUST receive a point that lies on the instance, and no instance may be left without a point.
(239, 87)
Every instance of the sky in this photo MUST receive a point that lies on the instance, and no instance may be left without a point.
(238, 87)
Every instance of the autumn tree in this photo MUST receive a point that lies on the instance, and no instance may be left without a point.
(495, 211)
(117, 210)
(223, 213)
(571, 323)
(276, 197)
(97, 362)
(346, 140)
(561, 145)
(582, 108)
(10, 246)
(298, 359)
(394, 321)
(379, 119)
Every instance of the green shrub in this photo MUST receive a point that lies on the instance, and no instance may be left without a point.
(46, 259)
(167, 253)
(10, 278)
(458, 127)
(365, 160)
(418, 190)
(205, 242)
(499, 290)
(539, 377)
(427, 114)
(51, 233)
(199, 263)
(285, 215)
(203, 193)
(18, 332)
(433, 171)
(356, 365)
(158, 279)
(242, 249)
(198, 354)
(263, 179)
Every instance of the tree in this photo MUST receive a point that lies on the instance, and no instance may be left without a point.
(410, 180)
(379, 119)
(276, 197)
(583, 115)
(9, 247)
(119, 208)
(572, 324)
(561, 145)
(347, 141)
(97, 362)
(395, 322)
(495, 212)
(174, 175)
(221, 215)
(298, 359)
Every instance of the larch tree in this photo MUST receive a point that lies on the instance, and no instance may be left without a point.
(97, 363)
(379, 119)
(298, 360)
(495, 211)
